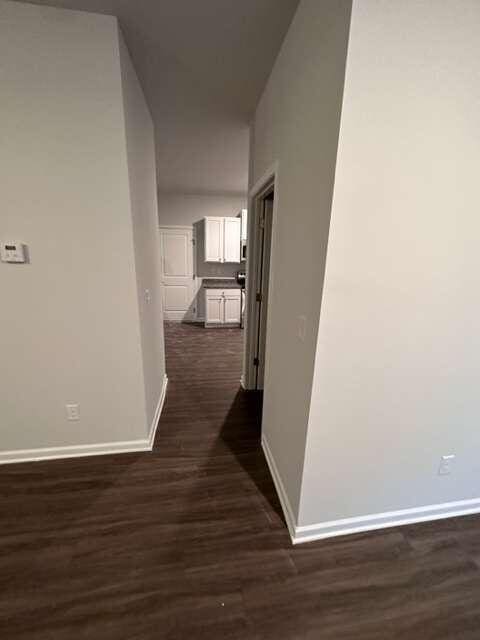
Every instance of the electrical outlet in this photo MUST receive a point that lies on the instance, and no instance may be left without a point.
(148, 296)
(446, 464)
(73, 412)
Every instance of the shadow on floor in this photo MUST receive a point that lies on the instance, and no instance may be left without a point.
(241, 432)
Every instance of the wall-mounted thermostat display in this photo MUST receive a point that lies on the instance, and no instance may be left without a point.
(12, 252)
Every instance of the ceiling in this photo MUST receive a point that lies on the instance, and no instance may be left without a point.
(203, 65)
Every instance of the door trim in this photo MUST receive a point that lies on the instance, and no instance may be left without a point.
(269, 180)
(196, 282)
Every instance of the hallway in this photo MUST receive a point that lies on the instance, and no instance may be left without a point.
(143, 546)
(188, 542)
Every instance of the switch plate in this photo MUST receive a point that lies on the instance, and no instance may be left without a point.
(12, 252)
(446, 464)
(73, 412)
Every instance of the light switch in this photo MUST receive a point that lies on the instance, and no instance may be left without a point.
(12, 252)
(73, 412)
(446, 464)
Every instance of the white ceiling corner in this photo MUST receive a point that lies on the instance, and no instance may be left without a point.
(203, 65)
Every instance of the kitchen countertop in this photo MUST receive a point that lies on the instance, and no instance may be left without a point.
(217, 283)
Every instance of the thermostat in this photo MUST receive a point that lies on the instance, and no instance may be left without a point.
(12, 252)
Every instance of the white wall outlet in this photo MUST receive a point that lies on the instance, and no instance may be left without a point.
(12, 252)
(73, 412)
(148, 296)
(302, 328)
(446, 464)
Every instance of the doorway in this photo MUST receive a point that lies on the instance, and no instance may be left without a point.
(177, 277)
(258, 285)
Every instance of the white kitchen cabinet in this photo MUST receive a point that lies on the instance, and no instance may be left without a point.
(222, 239)
(243, 224)
(214, 307)
(232, 306)
(214, 237)
(231, 243)
(223, 307)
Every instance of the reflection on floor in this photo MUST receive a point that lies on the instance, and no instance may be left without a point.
(189, 542)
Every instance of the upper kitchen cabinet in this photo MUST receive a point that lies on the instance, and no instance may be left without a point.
(222, 239)
(243, 234)
(244, 224)
(231, 243)
(214, 239)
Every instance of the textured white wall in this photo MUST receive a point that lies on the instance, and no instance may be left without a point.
(296, 124)
(398, 353)
(69, 327)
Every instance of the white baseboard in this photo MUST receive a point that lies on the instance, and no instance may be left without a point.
(83, 450)
(282, 494)
(244, 385)
(158, 413)
(346, 526)
(75, 451)
(384, 520)
(222, 325)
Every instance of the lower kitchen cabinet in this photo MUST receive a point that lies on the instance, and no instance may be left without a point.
(223, 307)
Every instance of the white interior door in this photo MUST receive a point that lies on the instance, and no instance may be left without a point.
(263, 282)
(176, 273)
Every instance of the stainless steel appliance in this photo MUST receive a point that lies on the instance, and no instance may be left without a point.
(243, 250)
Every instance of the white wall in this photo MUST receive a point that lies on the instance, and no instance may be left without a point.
(143, 196)
(296, 124)
(187, 209)
(72, 331)
(398, 352)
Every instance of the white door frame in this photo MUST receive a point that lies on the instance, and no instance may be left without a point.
(255, 202)
(195, 281)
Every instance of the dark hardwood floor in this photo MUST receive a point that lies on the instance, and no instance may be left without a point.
(189, 542)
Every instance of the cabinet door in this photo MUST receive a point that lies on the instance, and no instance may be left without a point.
(231, 251)
(244, 221)
(232, 306)
(214, 306)
(214, 238)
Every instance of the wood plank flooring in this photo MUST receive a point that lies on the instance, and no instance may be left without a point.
(189, 542)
